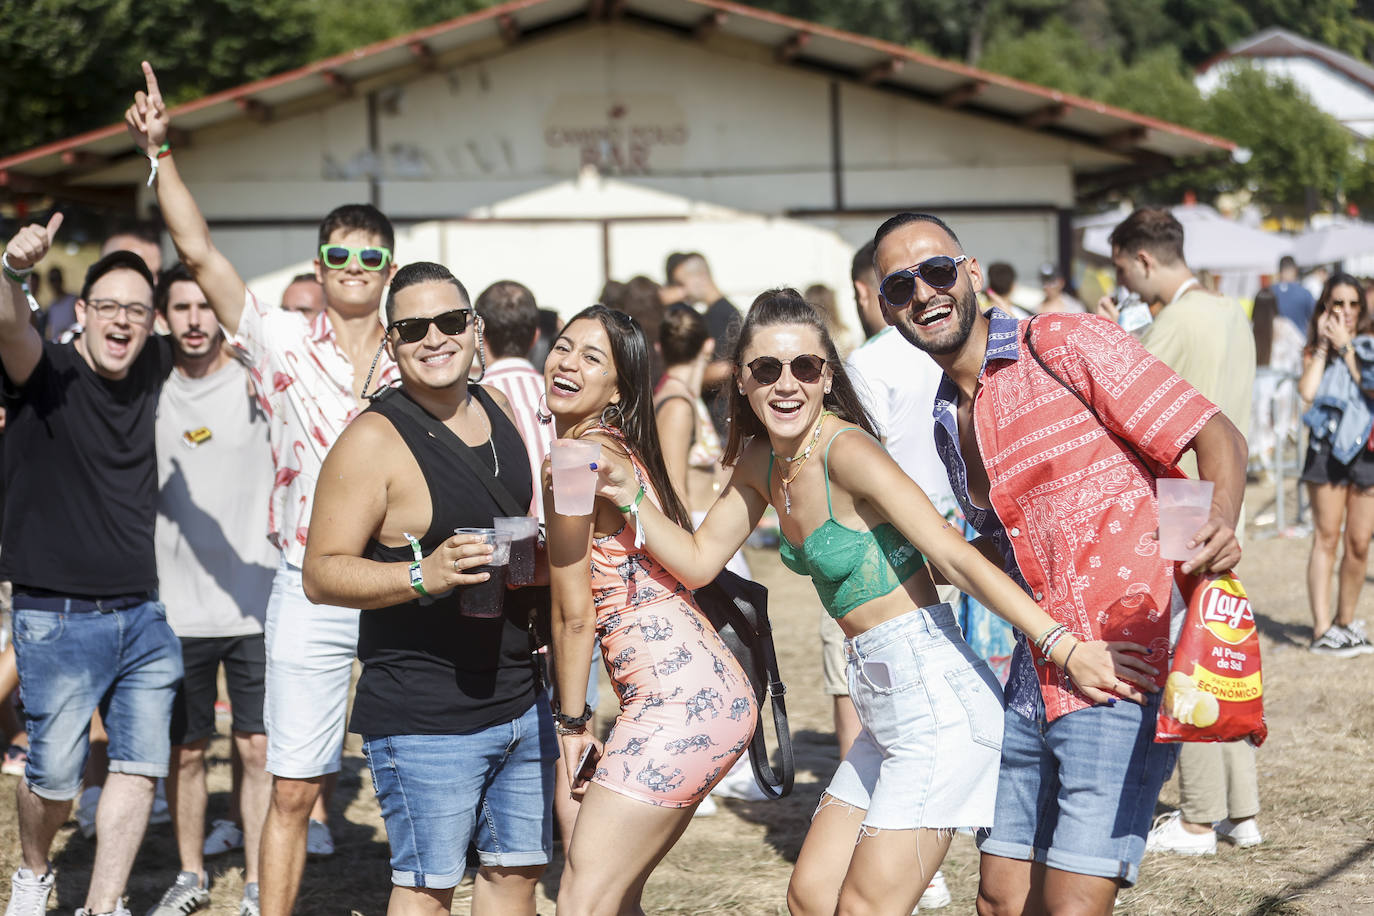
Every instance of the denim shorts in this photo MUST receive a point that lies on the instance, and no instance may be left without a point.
(126, 663)
(1078, 794)
(492, 787)
(931, 712)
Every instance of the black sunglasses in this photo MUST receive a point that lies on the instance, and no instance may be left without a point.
(768, 369)
(940, 272)
(413, 330)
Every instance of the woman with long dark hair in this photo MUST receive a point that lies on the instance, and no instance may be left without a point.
(926, 760)
(1339, 470)
(686, 708)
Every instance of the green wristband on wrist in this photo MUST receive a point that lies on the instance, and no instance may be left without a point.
(634, 504)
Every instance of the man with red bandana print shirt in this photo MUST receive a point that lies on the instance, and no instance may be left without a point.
(1072, 511)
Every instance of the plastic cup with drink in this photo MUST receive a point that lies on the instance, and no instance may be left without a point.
(1184, 506)
(574, 475)
(487, 599)
(523, 530)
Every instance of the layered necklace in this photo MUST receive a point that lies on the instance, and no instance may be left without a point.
(797, 462)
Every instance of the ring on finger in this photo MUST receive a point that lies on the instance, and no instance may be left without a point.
(455, 565)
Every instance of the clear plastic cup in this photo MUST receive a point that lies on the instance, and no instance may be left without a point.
(484, 533)
(574, 481)
(523, 531)
(1184, 506)
(487, 599)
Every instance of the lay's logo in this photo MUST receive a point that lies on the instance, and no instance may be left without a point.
(1226, 611)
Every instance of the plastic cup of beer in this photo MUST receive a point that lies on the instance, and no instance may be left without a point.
(487, 599)
(1184, 506)
(574, 480)
(523, 530)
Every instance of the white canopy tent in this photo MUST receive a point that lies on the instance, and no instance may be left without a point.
(1345, 240)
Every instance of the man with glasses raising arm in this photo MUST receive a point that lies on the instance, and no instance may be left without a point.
(310, 375)
(89, 632)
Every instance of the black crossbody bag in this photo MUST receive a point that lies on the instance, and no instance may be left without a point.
(738, 609)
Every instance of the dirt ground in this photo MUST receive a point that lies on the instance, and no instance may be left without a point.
(1315, 779)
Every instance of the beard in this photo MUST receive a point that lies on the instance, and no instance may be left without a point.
(965, 310)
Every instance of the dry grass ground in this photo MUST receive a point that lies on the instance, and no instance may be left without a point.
(1315, 780)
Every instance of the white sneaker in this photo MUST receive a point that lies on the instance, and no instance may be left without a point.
(319, 841)
(224, 836)
(707, 807)
(1243, 834)
(190, 892)
(936, 895)
(739, 783)
(119, 910)
(29, 893)
(1168, 835)
(85, 810)
(160, 814)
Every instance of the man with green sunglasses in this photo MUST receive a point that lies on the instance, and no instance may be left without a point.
(310, 373)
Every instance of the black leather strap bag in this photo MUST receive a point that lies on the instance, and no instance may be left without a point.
(738, 609)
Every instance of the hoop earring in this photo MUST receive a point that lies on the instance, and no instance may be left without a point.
(612, 409)
(541, 411)
(481, 357)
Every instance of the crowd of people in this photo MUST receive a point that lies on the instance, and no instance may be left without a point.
(970, 491)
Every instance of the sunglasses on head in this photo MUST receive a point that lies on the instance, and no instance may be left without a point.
(370, 257)
(413, 330)
(940, 272)
(768, 369)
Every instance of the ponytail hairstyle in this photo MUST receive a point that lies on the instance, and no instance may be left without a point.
(786, 306)
(630, 353)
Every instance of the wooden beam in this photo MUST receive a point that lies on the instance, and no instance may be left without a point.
(423, 54)
(961, 95)
(1125, 140)
(709, 24)
(114, 198)
(255, 110)
(881, 71)
(793, 46)
(342, 85)
(600, 10)
(1043, 117)
(84, 159)
(508, 27)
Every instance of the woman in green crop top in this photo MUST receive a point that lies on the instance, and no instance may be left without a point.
(926, 760)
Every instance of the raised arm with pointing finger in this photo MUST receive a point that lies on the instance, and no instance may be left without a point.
(148, 124)
(21, 346)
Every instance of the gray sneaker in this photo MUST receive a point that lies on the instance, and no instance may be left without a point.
(119, 910)
(29, 893)
(186, 895)
(1358, 638)
(1336, 642)
(248, 906)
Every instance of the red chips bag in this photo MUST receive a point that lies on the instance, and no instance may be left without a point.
(1214, 691)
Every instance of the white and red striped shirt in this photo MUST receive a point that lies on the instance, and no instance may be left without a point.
(524, 388)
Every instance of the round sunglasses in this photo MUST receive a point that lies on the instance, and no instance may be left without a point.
(370, 257)
(413, 330)
(806, 368)
(940, 272)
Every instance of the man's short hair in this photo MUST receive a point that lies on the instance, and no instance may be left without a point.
(416, 273)
(861, 271)
(115, 260)
(174, 274)
(906, 219)
(510, 318)
(1151, 229)
(681, 334)
(676, 260)
(1287, 261)
(361, 217)
(304, 278)
(143, 230)
(1001, 278)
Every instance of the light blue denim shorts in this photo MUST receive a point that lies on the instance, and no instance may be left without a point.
(492, 787)
(931, 712)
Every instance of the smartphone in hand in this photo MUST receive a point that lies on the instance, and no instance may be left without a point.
(586, 766)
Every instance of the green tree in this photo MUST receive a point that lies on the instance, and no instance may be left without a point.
(342, 25)
(73, 65)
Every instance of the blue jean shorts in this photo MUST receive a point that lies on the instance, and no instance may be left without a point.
(126, 663)
(931, 711)
(493, 787)
(1079, 794)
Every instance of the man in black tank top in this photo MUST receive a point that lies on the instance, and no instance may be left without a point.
(447, 704)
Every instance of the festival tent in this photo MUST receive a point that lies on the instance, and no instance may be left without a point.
(1338, 240)
(1210, 242)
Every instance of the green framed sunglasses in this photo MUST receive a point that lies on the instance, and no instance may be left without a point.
(370, 257)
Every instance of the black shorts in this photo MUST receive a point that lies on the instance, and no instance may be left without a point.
(1322, 467)
(245, 672)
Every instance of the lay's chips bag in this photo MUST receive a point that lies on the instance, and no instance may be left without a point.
(1214, 690)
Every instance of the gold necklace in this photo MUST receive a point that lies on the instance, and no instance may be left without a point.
(800, 458)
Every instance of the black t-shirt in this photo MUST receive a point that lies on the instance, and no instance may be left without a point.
(723, 321)
(81, 475)
(428, 670)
